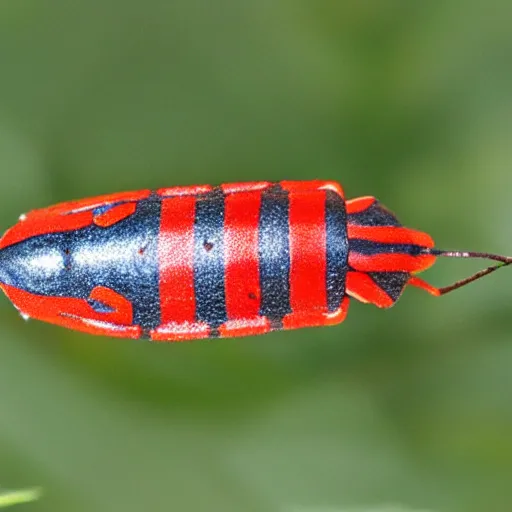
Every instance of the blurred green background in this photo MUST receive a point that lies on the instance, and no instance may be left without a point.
(408, 101)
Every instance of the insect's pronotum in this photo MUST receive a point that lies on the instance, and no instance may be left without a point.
(197, 262)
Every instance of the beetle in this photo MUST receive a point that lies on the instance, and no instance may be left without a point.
(195, 262)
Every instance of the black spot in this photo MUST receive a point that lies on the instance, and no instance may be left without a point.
(252, 296)
(208, 246)
(276, 324)
(145, 335)
(214, 333)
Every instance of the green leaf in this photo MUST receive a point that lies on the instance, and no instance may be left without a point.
(8, 498)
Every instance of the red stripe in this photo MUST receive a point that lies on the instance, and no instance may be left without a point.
(115, 214)
(184, 191)
(307, 251)
(241, 218)
(176, 259)
(184, 331)
(245, 327)
(308, 186)
(390, 235)
(76, 313)
(390, 262)
(90, 203)
(63, 217)
(250, 186)
(359, 204)
(363, 288)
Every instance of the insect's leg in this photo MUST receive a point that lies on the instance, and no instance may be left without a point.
(420, 283)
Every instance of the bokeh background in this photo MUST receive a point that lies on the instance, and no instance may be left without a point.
(408, 409)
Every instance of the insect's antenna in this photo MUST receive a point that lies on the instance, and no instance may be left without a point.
(503, 261)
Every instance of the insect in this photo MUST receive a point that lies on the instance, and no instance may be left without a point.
(197, 262)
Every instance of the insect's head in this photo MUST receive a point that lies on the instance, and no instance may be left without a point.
(383, 255)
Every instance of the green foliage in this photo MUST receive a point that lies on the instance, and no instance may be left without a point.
(8, 498)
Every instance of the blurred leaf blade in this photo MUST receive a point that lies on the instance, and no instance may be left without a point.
(9, 498)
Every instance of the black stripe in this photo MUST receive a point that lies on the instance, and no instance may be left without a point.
(370, 248)
(146, 302)
(336, 249)
(274, 253)
(393, 283)
(209, 259)
(374, 215)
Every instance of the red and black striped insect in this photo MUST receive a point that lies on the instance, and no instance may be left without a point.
(196, 262)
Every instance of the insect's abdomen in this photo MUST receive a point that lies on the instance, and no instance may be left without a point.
(249, 258)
